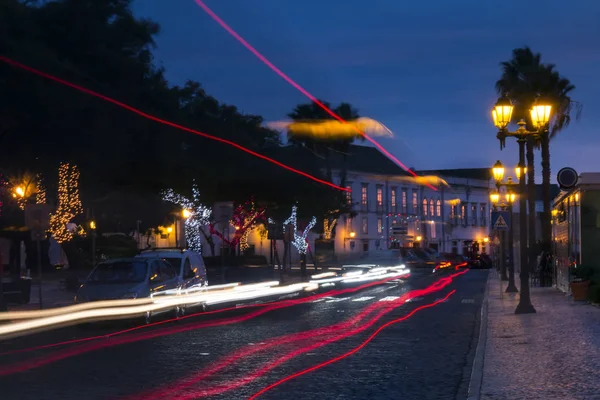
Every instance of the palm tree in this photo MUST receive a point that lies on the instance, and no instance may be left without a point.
(524, 77)
(326, 147)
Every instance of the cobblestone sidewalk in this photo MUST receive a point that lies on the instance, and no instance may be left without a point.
(551, 355)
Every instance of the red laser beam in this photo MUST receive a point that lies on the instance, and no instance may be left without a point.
(260, 373)
(354, 350)
(165, 122)
(328, 330)
(305, 92)
(111, 341)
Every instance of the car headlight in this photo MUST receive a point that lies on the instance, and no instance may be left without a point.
(132, 295)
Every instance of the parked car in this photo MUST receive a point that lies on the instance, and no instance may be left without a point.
(129, 278)
(188, 264)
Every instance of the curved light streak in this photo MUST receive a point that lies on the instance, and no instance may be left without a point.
(165, 122)
(305, 92)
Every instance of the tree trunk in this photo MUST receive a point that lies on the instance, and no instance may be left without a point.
(209, 241)
(546, 223)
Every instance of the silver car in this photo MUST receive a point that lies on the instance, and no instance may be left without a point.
(129, 278)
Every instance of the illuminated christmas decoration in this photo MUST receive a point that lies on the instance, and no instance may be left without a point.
(245, 217)
(69, 203)
(40, 195)
(195, 213)
(299, 242)
(328, 228)
(2, 187)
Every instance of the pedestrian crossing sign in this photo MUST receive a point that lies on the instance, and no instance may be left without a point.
(500, 220)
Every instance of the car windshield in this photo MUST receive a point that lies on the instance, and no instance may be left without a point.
(119, 272)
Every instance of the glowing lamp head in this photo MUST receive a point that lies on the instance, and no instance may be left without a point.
(418, 238)
(20, 191)
(495, 197)
(511, 197)
(93, 225)
(352, 234)
(498, 171)
(169, 229)
(486, 239)
(520, 171)
(554, 213)
(237, 228)
(541, 112)
(185, 213)
(502, 112)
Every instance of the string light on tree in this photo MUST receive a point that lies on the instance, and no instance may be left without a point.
(69, 203)
(197, 216)
(299, 242)
(244, 218)
(40, 195)
(328, 228)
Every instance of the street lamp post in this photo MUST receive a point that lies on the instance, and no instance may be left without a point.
(510, 197)
(540, 116)
(495, 200)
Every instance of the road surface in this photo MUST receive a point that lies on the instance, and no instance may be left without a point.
(428, 355)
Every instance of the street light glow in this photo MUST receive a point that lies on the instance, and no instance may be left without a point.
(92, 225)
(541, 113)
(498, 171)
(519, 169)
(185, 213)
(502, 112)
(19, 190)
(495, 197)
(511, 197)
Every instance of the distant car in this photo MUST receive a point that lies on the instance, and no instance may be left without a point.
(129, 278)
(188, 264)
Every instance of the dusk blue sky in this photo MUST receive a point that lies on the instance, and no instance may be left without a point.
(426, 69)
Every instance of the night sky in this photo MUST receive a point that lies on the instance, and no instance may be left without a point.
(426, 69)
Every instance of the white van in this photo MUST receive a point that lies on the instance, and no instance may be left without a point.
(188, 264)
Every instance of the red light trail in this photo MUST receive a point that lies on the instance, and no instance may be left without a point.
(165, 122)
(111, 339)
(354, 350)
(305, 92)
(206, 373)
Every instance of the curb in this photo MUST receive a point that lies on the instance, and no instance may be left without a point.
(476, 380)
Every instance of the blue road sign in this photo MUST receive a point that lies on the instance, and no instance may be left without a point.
(501, 220)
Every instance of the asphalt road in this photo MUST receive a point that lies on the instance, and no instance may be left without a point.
(426, 356)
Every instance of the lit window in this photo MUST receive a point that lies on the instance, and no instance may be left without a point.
(394, 199)
(349, 193)
(365, 225)
(415, 202)
(404, 200)
(379, 225)
(438, 208)
(363, 196)
(431, 208)
(425, 207)
(379, 196)
(348, 225)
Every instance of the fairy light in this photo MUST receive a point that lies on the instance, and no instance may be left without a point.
(40, 195)
(244, 217)
(299, 242)
(69, 203)
(328, 228)
(2, 184)
(199, 215)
